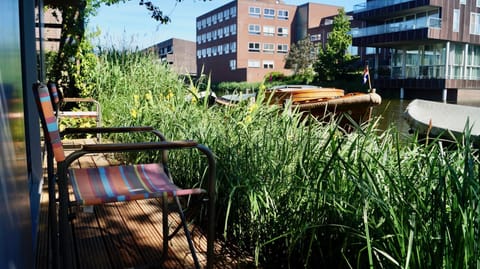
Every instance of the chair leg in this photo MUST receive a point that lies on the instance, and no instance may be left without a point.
(63, 219)
(52, 210)
(187, 233)
(165, 226)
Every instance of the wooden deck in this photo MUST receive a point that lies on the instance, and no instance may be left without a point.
(127, 234)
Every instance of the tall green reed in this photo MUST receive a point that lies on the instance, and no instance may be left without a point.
(295, 192)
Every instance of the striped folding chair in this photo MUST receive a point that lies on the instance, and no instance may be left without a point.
(58, 102)
(93, 186)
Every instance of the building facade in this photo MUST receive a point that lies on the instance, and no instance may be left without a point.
(424, 48)
(179, 54)
(245, 40)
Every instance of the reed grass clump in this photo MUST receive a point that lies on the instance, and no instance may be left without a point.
(297, 193)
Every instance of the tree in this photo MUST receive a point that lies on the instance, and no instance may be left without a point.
(301, 58)
(334, 59)
(74, 14)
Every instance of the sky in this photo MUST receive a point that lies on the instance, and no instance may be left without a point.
(129, 25)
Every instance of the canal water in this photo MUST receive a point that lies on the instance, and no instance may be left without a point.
(391, 112)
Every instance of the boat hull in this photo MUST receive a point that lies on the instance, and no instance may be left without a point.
(448, 121)
(358, 106)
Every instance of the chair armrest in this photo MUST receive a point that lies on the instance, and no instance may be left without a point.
(137, 147)
(78, 99)
(111, 130)
(95, 130)
(125, 147)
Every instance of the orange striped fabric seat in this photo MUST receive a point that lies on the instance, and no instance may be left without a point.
(123, 183)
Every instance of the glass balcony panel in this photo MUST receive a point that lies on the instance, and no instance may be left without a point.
(376, 4)
(421, 23)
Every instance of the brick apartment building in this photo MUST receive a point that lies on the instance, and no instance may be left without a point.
(179, 54)
(246, 39)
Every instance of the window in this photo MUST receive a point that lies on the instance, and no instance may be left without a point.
(478, 3)
(254, 63)
(214, 50)
(214, 18)
(370, 50)
(226, 31)
(226, 48)
(214, 35)
(254, 29)
(268, 30)
(254, 11)
(209, 52)
(282, 31)
(199, 25)
(283, 14)
(220, 16)
(204, 23)
(267, 64)
(226, 14)
(268, 47)
(209, 21)
(353, 50)
(204, 37)
(282, 48)
(220, 49)
(456, 20)
(233, 47)
(199, 39)
(463, 2)
(209, 36)
(233, 29)
(475, 23)
(220, 32)
(316, 37)
(233, 64)
(233, 11)
(199, 54)
(254, 47)
(269, 13)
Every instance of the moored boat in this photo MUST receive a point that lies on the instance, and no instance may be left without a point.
(449, 121)
(317, 101)
(233, 99)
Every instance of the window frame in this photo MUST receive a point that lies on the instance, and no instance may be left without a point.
(252, 11)
(282, 14)
(254, 29)
(253, 46)
(270, 14)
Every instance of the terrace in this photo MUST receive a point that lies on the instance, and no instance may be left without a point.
(126, 235)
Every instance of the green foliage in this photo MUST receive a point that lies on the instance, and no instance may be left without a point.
(301, 58)
(75, 52)
(334, 60)
(298, 193)
(236, 87)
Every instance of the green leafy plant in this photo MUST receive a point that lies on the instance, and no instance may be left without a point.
(301, 193)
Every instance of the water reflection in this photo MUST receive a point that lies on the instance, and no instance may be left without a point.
(391, 111)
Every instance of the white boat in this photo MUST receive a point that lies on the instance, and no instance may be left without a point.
(450, 121)
(233, 99)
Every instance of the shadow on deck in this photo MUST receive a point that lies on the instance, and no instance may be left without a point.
(128, 234)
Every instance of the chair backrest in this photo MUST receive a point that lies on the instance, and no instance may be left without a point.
(55, 95)
(48, 120)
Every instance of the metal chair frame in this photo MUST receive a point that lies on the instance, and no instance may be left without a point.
(61, 248)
